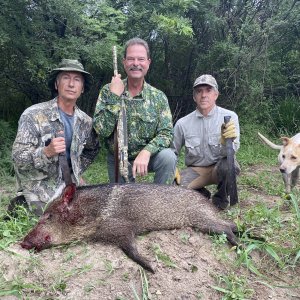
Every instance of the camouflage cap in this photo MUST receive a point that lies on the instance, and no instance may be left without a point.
(206, 79)
(71, 65)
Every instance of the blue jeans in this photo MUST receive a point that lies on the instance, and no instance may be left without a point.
(163, 164)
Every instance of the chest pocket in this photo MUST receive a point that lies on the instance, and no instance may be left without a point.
(144, 125)
(193, 147)
(214, 144)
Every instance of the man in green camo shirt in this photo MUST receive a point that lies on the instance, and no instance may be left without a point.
(149, 119)
(37, 145)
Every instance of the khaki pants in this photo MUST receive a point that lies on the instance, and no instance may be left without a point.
(198, 177)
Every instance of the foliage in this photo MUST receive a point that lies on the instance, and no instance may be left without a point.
(97, 171)
(16, 287)
(7, 134)
(145, 286)
(163, 257)
(37, 34)
(286, 116)
(251, 48)
(252, 150)
(233, 286)
(12, 229)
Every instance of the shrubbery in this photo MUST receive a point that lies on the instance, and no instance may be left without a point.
(286, 116)
(7, 135)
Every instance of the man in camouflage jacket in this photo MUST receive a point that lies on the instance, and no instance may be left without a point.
(149, 119)
(37, 146)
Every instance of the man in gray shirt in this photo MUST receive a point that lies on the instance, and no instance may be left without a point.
(203, 134)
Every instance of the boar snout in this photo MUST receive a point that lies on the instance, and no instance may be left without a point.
(27, 245)
(39, 244)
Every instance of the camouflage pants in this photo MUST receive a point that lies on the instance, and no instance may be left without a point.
(198, 177)
(163, 164)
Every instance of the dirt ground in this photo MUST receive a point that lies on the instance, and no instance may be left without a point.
(97, 271)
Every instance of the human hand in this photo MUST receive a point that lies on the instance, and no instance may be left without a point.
(140, 164)
(116, 85)
(228, 131)
(56, 146)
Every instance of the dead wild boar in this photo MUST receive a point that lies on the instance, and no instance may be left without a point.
(116, 213)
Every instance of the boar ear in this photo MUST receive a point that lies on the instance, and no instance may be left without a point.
(68, 193)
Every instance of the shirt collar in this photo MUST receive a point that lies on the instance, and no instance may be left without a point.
(211, 113)
(141, 95)
(54, 113)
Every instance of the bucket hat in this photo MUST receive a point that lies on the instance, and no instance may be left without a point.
(206, 79)
(72, 65)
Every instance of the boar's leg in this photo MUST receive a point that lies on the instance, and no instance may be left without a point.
(131, 251)
(121, 233)
(223, 228)
(211, 223)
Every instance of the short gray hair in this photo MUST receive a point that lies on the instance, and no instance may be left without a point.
(137, 41)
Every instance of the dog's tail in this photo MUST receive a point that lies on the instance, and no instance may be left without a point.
(269, 143)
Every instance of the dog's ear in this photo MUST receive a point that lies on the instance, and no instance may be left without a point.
(285, 140)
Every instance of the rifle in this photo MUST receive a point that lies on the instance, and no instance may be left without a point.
(231, 180)
(120, 135)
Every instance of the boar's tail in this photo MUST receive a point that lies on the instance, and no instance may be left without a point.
(131, 251)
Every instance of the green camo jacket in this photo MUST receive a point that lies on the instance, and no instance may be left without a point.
(40, 178)
(149, 119)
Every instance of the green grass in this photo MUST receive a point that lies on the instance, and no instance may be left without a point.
(145, 286)
(17, 287)
(269, 225)
(163, 257)
(14, 229)
(97, 171)
(233, 286)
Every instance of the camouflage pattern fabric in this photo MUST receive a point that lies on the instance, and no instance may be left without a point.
(40, 178)
(149, 119)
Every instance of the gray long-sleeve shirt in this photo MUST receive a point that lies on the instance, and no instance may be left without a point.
(201, 136)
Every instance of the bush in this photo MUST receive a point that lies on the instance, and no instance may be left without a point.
(286, 116)
(7, 135)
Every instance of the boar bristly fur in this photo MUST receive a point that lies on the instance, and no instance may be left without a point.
(115, 214)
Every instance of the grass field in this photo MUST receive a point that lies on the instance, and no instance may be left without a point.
(268, 220)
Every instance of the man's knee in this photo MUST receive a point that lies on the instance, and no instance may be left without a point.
(188, 178)
(163, 164)
(167, 157)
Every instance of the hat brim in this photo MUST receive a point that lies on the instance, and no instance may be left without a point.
(88, 78)
(204, 83)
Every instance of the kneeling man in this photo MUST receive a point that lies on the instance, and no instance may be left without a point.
(203, 134)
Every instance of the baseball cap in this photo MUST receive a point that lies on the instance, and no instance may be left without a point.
(206, 79)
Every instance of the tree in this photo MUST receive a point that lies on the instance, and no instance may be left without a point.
(36, 35)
